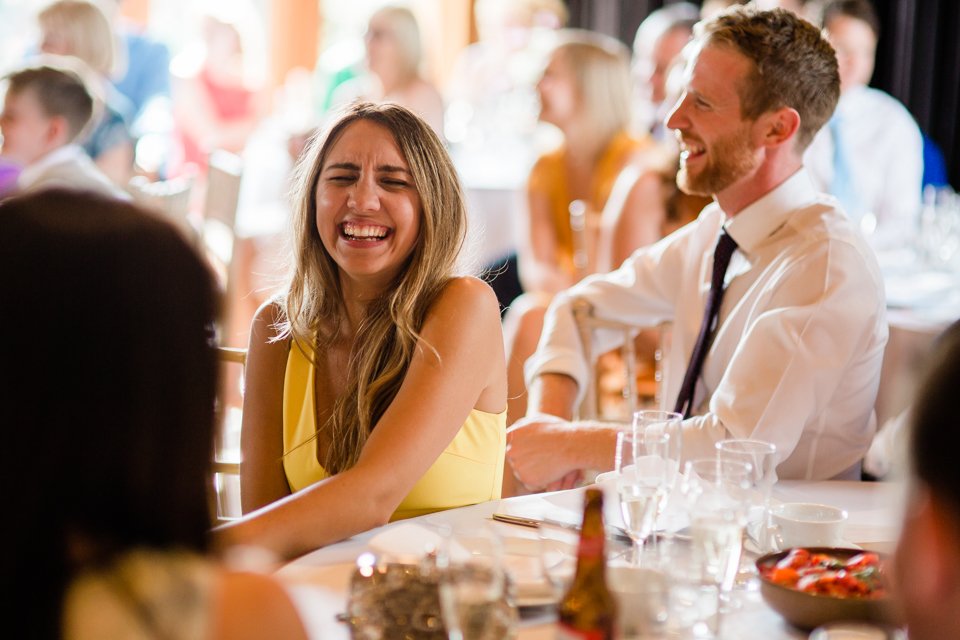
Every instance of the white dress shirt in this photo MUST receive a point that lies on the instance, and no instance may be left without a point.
(796, 357)
(885, 147)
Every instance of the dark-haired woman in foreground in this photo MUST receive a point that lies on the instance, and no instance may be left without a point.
(107, 383)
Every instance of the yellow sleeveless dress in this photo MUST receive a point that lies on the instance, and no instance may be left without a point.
(469, 471)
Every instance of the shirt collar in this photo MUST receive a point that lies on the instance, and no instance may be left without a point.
(758, 220)
(32, 172)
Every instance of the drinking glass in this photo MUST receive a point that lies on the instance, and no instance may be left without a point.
(472, 585)
(558, 555)
(763, 459)
(715, 494)
(642, 489)
(662, 423)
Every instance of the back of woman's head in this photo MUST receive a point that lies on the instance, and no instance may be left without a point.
(107, 385)
(601, 68)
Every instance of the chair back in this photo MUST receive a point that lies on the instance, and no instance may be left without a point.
(637, 391)
(224, 173)
(169, 198)
(225, 466)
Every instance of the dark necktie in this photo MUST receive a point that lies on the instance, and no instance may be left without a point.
(721, 258)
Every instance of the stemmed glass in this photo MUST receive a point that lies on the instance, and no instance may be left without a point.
(651, 425)
(642, 488)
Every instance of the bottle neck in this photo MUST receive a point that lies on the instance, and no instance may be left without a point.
(590, 553)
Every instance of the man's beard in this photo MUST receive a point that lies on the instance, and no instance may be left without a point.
(730, 158)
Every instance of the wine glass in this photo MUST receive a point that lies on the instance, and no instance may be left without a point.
(472, 585)
(641, 489)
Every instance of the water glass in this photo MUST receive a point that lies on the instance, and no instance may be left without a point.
(642, 597)
(473, 585)
(716, 491)
(558, 555)
(661, 423)
(763, 459)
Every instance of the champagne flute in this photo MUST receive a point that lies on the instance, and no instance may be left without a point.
(651, 427)
(641, 490)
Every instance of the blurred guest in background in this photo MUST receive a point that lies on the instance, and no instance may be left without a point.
(142, 75)
(928, 554)
(491, 88)
(491, 124)
(659, 40)
(393, 59)
(79, 28)
(870, 156)
(585, 93)
(112, 528)
(218, 90)
(45, 111)
(375, 388)
(710, 8)
(809, 10)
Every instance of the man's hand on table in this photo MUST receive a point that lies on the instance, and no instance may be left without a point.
(538, 451)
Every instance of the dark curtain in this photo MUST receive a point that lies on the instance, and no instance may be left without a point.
(918, 57)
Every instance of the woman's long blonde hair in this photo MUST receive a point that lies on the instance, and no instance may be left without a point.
(387, 335)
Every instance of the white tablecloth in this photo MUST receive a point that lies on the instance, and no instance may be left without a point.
(324, 575)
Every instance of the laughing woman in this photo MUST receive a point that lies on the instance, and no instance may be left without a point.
(376, 387)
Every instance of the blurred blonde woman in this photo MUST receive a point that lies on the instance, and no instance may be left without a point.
(394, 56)
(80, 29)
(219, 96)
(585, 92)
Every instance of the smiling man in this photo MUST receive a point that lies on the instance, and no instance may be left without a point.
(776, 301)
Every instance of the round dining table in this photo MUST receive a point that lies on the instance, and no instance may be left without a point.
(321, 579)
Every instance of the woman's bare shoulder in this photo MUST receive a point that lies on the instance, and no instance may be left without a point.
(467, 292)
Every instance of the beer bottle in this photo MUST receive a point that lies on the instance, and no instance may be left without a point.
(587, 610)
